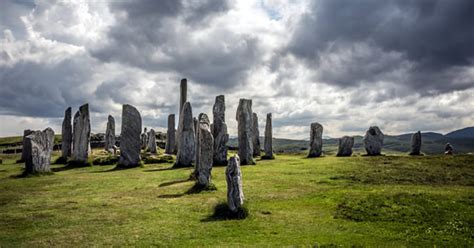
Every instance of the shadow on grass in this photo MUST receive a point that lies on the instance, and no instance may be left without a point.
(72, 165)
(171, 195)
(222, 212)
(160, 169)
(24, 174)
(173, 182)
(195, 189)
(119, 168)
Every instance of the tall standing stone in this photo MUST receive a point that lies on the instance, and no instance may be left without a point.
(416, 144)
(183, 95)
(186, 139)
(130, 142)
(110, 134)
(81, 135)
(235, 194)
(152, 141)
(23, 153)
(219, 131)
(373, 141)
(345, 146)
(255, 136)
(38, 149)
(204, 151)
(170, 136)
(195, 122)
(268, 142)
(316, 140)
(244, 118)
(66, 134)
(144, 138)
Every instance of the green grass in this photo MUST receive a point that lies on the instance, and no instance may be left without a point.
(388, 201)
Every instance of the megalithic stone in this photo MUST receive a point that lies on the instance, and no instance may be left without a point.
(219, 131)
(345, 146)
(66, 134)
(416, 144)
(235, 194)
(144, 138)
(268, 142)
(152, 141)
(183, 95)
(316, 140)
(130, 142)
(23, 153)
(38, 149)
(373, 141)
(81, 135)
(186, 141)
(171, 135)
(244, 118)
(204, 151)
(255, 136)
(110, 134)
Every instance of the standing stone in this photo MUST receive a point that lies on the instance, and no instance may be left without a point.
(345, 146)
(268, 142)
(244, 118)
(110, 134)
(144, 139)
(448, 149)
(81, 135)
(183, 95)
(130, 142)
(205, 149)
(316, 140)
(219, 131)
(23, 153)
(195, 123)
(38, 149)
(235, 194)
(373, 141)
(255, 136)
(186, 141)
(416, 144)
(66, 134)
(152, 142)
(170, 136)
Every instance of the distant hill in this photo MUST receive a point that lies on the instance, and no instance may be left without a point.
(467, 132)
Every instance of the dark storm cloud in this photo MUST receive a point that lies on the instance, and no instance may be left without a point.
(429, 40)
(160, 36)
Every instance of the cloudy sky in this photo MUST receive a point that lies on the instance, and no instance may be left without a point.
(402, 65)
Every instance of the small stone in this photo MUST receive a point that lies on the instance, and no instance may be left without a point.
(244, 126)
(81, 135)
(66, 134)
(235, 194)
(345, 146)
(170, 147)
(152, 142)
(416, 144)
(255, 136)
(186, 141)
(373, 141)
(268, 142)
(204, 151)
(110, 135)
(130, 142)
(316, 140)
(219, 131)
(38, 148)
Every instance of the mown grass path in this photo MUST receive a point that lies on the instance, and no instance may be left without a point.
(364, 201)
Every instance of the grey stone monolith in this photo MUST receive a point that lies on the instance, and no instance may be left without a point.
(23, 153)
(416, 144)
(130, 142)
(144, 138)
(316, 140)
(66, 134)
(186, 139)
(38, 149)
(268, 140)
(204, 151)
(244, 118)
(183, 95)
(235, 194)
(110, 135)
(151, 147)
(81, 135)
(373, 141)
(219, 131)
(170, 147)
(255, 136)
(345, 146)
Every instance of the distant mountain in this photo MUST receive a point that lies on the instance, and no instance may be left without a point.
(467, 132)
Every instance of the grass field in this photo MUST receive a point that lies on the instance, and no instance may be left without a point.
(388, 201)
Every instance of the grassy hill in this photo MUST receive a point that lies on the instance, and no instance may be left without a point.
(384, 201)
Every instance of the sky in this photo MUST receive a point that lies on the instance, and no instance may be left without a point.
(403, 65)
